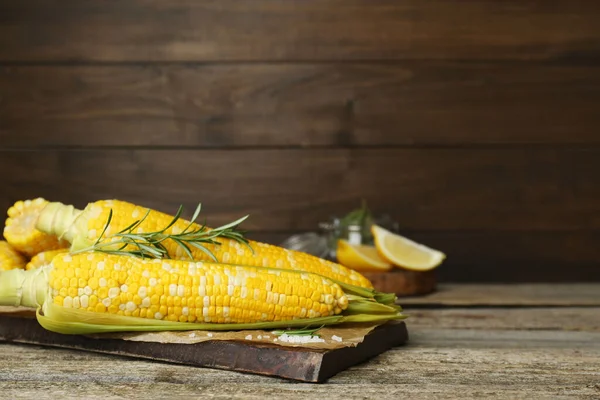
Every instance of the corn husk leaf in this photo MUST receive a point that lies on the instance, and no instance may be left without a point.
(76, 322)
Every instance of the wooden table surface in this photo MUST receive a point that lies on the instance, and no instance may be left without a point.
(466, 341)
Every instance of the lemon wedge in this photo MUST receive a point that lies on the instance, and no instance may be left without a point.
(405, 253)
(360, 257)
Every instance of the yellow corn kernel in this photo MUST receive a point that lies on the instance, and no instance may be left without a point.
(44, 258)
(10, 258)
(21, 233)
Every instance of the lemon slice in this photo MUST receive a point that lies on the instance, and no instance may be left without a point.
(404, 252)
(360, 257)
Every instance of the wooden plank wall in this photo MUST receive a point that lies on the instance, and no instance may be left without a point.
(474, 123)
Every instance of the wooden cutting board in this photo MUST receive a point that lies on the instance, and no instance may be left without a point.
(403, 283)
(301, 364)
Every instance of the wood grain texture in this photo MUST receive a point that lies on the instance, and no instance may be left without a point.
(473, 123)
(439, 364)
(428, 189)
(526, 295)
(208, 106)
(402, 282)
(528, 319)
(187, 30)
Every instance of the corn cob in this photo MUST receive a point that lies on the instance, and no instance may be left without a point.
(95, 292)
(44, 258)
(82, 229)
(9, 257)
(20, 231)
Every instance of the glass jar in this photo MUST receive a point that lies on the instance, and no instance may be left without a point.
(334, 230)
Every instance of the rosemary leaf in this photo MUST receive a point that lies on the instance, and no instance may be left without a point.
(231, 224)
(137, 223)
(110, 214)
(185, 248)
(194, 217)
(299, 332)
(175, 219)
(205, 250)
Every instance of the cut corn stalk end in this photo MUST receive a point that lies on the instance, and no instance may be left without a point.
(59, 219)
(21, 288)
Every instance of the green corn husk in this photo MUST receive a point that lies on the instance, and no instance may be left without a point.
(31, 289)
(77, 322)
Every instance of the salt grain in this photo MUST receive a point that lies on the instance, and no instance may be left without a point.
(192, 334)
(336, 338)
(300, 339)
(209, 334)
(249, 337)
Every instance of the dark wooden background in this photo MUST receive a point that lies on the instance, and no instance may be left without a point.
(476, 124)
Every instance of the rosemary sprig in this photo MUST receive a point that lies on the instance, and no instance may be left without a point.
(151, 244)
(299, 332)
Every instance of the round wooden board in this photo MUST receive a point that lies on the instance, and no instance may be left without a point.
(402, 282)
